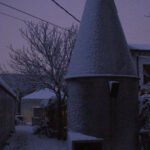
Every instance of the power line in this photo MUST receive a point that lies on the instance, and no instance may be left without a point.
(60, 6)
(33, 16)
(16, 18)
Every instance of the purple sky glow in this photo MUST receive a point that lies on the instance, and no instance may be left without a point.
(131, 12)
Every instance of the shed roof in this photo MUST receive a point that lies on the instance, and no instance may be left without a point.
(40, 94)
(5, 85)
(101, 48)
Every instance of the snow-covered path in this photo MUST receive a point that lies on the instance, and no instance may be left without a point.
(24, 139)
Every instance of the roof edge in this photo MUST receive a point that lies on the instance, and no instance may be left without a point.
(4, 85)
(100, 75)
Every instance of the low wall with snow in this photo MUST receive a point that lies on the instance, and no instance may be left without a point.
(7, 113)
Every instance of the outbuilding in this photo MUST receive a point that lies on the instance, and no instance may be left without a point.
(141, 56)
(33, 103)
(7, 111)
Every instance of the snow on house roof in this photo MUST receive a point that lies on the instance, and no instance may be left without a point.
(41, 94)
(5, 85)
(139, 46)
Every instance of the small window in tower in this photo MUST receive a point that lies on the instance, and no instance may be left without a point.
(146, 73)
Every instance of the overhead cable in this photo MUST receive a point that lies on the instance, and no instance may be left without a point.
(60, 6)
(33, 16)
(5, 14)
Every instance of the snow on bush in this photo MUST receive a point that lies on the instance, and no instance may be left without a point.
(144, 111)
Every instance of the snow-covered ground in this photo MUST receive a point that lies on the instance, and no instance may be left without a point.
(24, 139)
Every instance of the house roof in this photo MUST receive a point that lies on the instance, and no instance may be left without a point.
(6, 87)
(139, 46)
(40, 94)
(19, 83)
(101, 48)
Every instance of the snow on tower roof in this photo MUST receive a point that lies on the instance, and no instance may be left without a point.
(5, 85)
(139, 46)
(41, 94)
(101, 48)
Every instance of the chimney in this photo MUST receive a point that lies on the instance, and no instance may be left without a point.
(102, 81)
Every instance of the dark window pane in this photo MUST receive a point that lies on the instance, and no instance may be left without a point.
(146, 73)
(87, 146)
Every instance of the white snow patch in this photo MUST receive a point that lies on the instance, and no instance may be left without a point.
(76, 136)
(79, 137)
(139, 46)
(41, 94)
(24, 139)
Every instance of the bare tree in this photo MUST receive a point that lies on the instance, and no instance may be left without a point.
(46, 58)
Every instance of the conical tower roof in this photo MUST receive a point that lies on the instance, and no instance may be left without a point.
(101, 48)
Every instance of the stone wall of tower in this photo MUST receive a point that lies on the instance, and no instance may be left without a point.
(90, 111)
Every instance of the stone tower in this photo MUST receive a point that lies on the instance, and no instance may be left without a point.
(102, 81)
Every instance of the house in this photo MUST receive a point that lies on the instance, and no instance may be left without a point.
(141, 57)
(20, 85)
(33, 103)
(7, 111)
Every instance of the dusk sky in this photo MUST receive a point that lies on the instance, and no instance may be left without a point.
(131, 12)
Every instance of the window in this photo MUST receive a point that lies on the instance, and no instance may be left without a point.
(146, 73)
